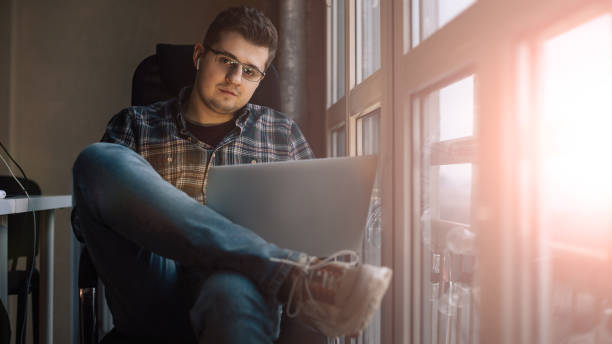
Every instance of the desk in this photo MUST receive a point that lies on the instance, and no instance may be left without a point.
(46, 205)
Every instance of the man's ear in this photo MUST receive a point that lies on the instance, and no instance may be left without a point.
(198, 51)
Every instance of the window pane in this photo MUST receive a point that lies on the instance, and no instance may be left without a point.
(575, 188)
(369, 134)
(338, 142)
(340, 60)
(416, 24)
(433, 15)
(336, 81)
(452, 108)
(448, 313)
(457, 109)
(368, 38)
(449, 9)
(370, 145)
(455, 190)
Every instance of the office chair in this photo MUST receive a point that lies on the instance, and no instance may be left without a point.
(159, 77)
(20, 244)
(5, 325)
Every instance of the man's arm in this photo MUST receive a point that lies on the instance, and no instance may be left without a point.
(300, 149)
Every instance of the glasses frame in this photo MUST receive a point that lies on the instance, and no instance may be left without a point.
(237, 63)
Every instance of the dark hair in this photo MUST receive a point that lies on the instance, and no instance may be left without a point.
(249, 22)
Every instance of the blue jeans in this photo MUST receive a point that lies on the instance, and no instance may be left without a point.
(173, 269)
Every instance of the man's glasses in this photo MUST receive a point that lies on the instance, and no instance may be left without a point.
(249, 72)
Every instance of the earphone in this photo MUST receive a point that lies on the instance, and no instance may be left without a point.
(198, 64)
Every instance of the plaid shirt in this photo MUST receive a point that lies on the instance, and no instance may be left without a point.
(158, 133)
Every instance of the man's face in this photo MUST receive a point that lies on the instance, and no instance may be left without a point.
(223, 89)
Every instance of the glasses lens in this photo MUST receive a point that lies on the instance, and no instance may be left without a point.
(248, 72)
(226, 61)
(251, 73)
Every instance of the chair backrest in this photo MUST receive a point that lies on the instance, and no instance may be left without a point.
(20, 226)
(161, 76)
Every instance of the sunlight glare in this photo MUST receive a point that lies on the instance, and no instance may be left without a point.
(576, 128)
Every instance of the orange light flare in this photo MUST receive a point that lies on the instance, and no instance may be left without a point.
(575, 140)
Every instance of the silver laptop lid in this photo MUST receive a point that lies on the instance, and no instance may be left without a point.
(316, 206)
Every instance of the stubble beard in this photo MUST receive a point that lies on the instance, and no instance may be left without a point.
(217, 104)
(220, 106)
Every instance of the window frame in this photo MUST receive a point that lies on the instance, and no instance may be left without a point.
(540, 279)
(484, 39)
(490, 51)
(360, 99)
(414, 157)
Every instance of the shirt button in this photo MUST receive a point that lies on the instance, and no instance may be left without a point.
(253, 161)
(169, 159)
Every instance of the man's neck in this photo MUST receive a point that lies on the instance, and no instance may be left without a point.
(199, 113)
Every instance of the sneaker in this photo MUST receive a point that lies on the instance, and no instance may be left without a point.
(337, 298)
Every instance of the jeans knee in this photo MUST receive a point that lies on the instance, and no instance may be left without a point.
(86, 175)
(90, 156)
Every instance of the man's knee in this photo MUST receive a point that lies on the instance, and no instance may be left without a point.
(93, 155)
(87, 178)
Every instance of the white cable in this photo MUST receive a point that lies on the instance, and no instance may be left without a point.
(16, 179)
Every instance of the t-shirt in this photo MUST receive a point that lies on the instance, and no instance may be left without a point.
(211, 134)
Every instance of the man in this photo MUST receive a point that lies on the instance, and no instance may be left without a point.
(174, 269)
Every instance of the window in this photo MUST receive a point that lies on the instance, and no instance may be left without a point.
(574, 185)
(430, 15)
(493, 131)
(444, 121)
(335, 51)
(368, 143)
(367, 28)
(337, 147)
(357, 120)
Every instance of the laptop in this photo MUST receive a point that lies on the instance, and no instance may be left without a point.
(316, 206)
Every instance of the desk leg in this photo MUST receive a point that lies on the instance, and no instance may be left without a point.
(47, 236)
(4, 259)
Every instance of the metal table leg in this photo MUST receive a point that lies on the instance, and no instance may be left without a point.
(47, 236)
(4, 259)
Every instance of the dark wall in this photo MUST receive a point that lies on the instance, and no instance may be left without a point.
(315, 84)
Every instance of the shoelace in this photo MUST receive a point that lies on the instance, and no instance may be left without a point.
(306, 268)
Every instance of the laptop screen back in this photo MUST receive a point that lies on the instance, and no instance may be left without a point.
(316, 206)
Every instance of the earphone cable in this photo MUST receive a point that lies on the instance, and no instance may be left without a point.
(13, 160)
